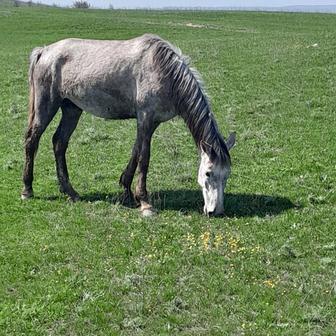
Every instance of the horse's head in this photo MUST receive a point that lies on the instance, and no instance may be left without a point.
(212, 177)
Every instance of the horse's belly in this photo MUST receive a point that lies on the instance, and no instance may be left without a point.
(112, 105)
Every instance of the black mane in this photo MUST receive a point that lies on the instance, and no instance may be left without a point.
(187, 93)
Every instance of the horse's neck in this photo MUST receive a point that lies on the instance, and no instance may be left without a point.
(202, 126)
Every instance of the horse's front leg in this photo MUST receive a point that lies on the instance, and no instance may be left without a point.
(126, 177)
(141, 194)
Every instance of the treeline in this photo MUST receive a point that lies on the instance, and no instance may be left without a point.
(81, 4)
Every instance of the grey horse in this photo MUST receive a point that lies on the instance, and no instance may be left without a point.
(144, 78)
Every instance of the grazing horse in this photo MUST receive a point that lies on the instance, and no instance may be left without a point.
(144, 78)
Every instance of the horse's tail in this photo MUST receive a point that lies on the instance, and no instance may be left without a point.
(34, 58)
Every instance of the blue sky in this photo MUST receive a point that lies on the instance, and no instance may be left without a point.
(194, 3)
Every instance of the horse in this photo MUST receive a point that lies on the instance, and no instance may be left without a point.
(146, 78)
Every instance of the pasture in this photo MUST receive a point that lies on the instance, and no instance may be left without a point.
(95, 267)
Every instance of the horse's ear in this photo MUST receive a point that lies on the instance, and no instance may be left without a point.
(231, 141)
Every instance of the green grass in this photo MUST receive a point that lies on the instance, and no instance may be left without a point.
(98, 268)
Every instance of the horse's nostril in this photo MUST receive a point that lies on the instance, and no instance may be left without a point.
(211, 213)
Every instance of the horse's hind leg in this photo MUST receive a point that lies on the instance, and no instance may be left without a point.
(70, 116)
(41, 114)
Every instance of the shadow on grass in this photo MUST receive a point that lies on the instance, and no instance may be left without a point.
(248, 205)
(186, 201)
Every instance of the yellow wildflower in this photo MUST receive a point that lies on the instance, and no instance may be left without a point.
(269, 283)
(218, 242)
(191, 241)
(205, 238)
(233, 244)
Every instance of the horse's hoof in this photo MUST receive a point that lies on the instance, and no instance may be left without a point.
(26, 194)
(74, 198)
(148, 212)
(127, 199)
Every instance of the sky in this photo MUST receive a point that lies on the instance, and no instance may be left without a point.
(193, 3)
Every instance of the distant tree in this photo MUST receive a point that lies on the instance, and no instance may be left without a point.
(16, 3)
(30, 3)
(81, 4)
(111, 6)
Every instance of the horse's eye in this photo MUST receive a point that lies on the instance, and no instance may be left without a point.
(208, 174)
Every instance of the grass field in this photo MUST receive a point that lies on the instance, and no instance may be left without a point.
(97, 268)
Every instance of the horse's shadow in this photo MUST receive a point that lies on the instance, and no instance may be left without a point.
(188, 201)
